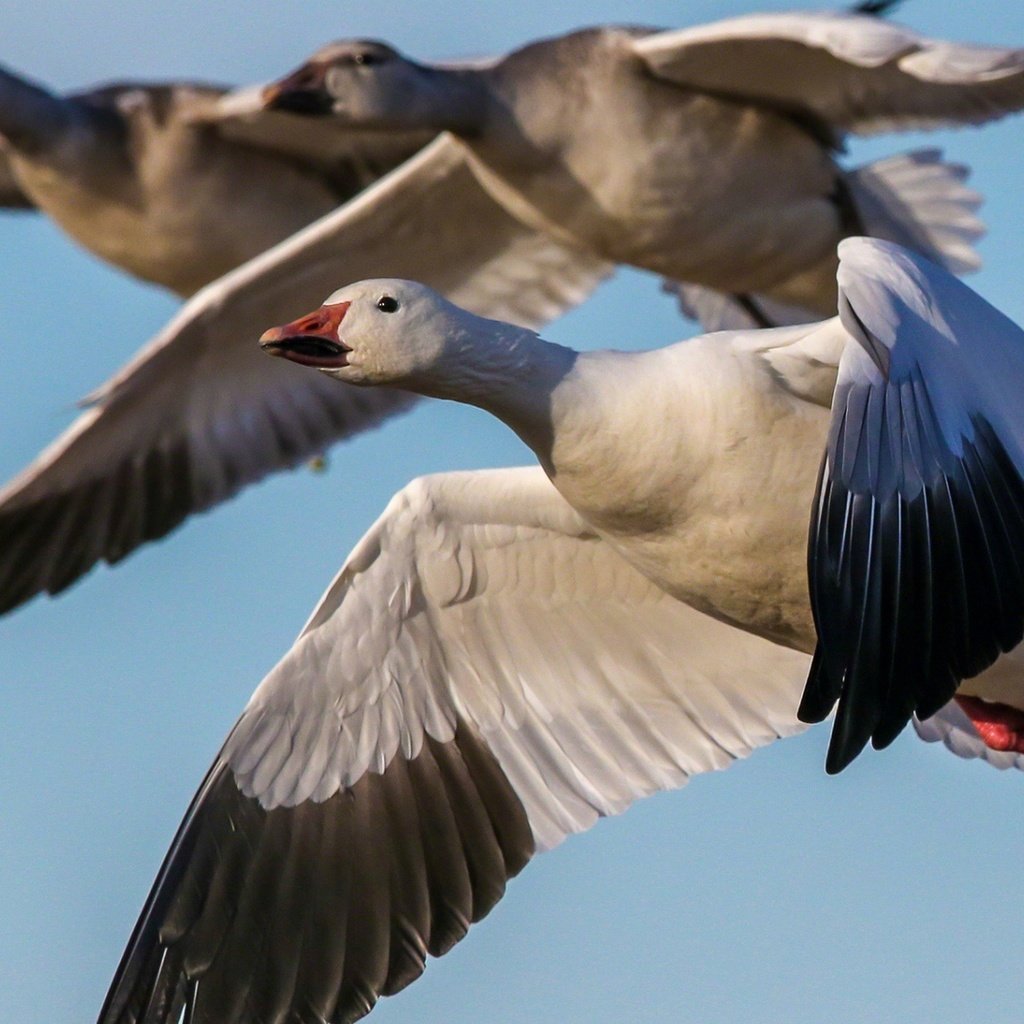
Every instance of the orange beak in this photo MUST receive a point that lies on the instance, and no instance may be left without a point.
(302, 92)
(312, 340)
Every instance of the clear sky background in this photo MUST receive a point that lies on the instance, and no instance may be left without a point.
(767, 893)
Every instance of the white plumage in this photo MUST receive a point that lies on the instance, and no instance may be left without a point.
(481, 597)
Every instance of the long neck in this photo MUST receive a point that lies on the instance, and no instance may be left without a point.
(510, 372)
(454, 99)
(31, 118)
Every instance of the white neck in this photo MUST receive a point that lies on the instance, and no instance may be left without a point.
(508, 371)
(444, 99)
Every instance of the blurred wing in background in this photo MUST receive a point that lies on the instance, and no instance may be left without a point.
(11, 195)
(351, 159)
(201, 412)
(847, 72)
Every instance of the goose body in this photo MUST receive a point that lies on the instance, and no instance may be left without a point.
(680, 496)
(648, 163)
(508, 655)
(174, 216)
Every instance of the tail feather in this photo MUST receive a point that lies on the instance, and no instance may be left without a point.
(914, 199)
(725, 311)
(919, 201)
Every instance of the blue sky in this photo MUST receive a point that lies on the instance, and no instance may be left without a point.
(765, 893)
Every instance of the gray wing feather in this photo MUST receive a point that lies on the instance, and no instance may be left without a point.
(201, 413)
(849, 71)
(11, 195)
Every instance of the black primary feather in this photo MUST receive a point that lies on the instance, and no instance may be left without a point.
(310, 913)
(915, 565)
(876, 8)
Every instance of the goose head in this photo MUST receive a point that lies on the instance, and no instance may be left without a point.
(368, 84)
(392, 332)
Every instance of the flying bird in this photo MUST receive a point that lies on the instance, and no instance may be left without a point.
(507, 655)
(148, 175)
(707, 155)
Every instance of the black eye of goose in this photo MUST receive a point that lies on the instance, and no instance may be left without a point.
(367, 59)
(387, 304)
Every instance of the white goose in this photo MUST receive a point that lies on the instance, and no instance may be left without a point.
(564, 158)
(147, 175)
(503, 658)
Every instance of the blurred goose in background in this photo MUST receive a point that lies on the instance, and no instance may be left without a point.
(147, 175)
(705, 155)
(508, 655)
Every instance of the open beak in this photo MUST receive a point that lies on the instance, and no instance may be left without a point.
(302, 92)
(312, 340)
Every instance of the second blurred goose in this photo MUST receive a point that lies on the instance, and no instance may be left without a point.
(705, 155)
(147, 175)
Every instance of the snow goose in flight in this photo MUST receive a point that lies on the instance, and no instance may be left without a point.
(706, 155)
(505, 657)
(560, 159)
(146, 175)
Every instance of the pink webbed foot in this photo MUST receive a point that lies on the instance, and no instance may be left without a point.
(999, 725)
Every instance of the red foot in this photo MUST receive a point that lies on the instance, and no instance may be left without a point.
(999, 725)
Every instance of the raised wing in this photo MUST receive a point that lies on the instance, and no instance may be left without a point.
(201, 412)
(483, 677)
(850, 71)
(916, 552)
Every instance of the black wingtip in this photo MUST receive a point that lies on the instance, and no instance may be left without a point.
(841, 752)
(876, 8)
(819, 695)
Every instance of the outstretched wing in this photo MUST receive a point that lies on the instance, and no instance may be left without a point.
(916, 552)
(846, 70)
(484, 676)
(200, 412)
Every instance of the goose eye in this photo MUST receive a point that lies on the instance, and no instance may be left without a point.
(387, 304)
(367, 58)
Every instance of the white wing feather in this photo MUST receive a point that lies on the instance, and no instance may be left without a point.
(851, 71)
(484, 677)
(483, 597)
